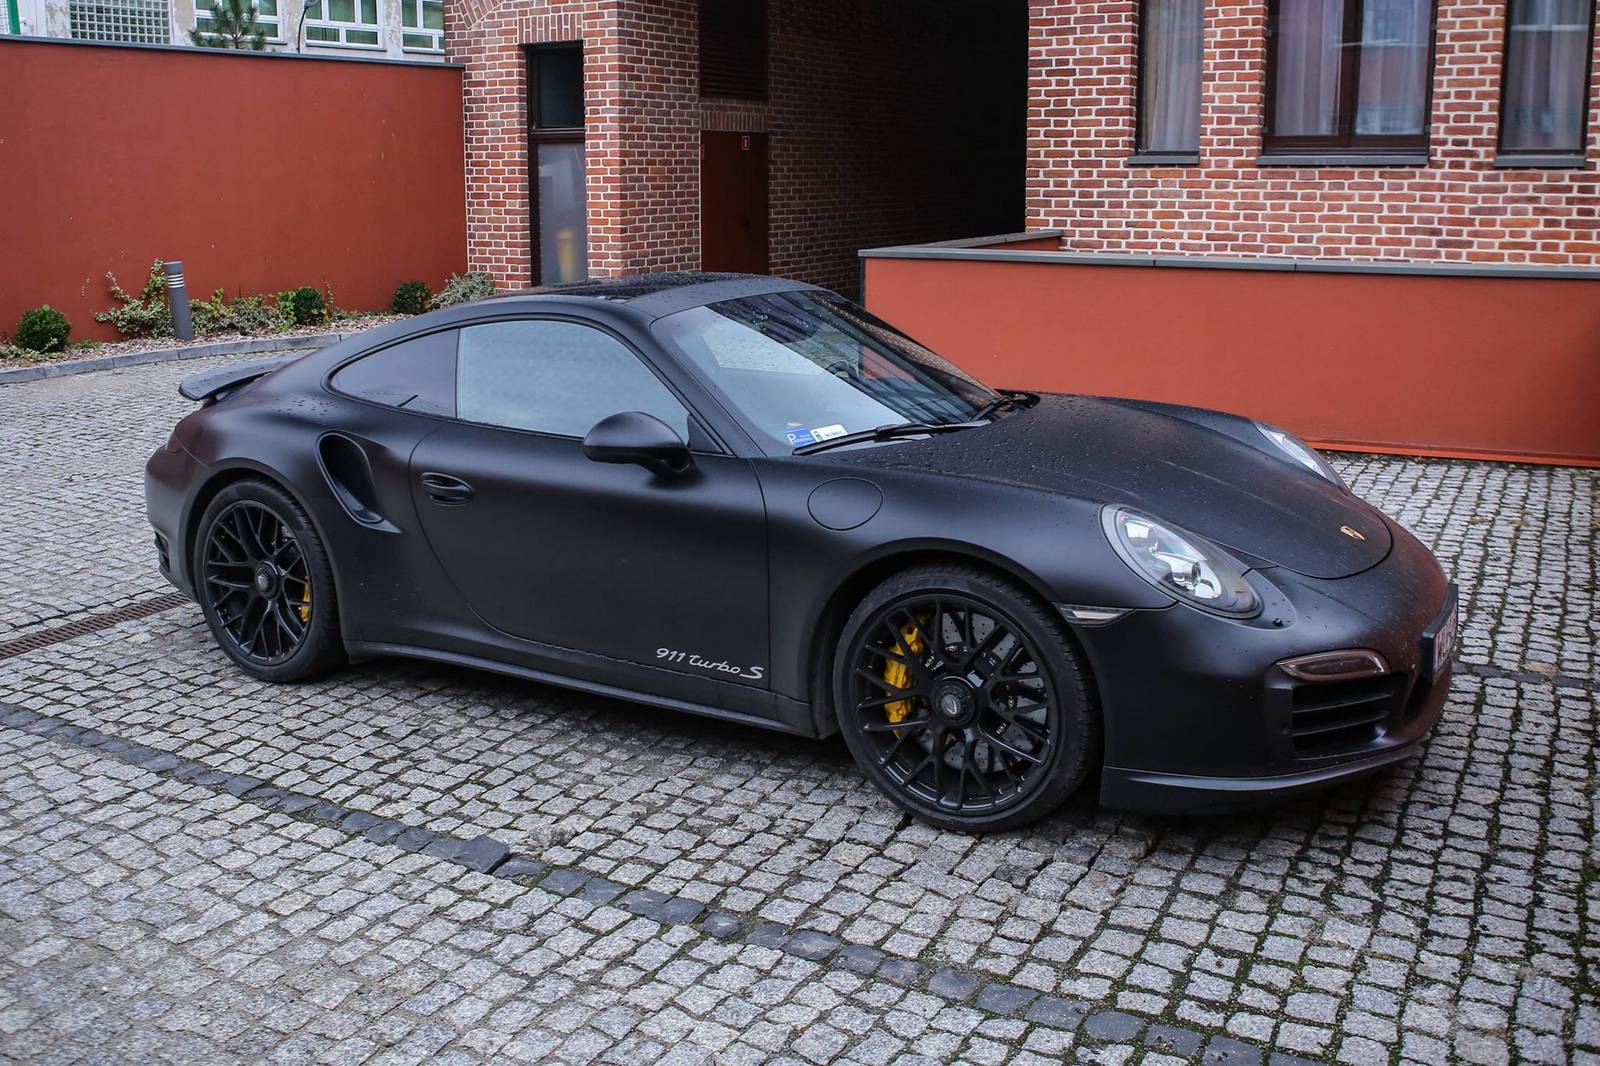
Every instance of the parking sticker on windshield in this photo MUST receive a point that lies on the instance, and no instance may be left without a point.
(797, 437)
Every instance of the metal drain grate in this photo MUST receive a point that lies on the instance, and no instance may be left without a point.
(93, 623)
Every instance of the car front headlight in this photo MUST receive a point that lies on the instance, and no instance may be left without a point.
(1180, 564)
(1300, 452)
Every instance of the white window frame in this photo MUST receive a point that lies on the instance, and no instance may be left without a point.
(343, 29)
(413, 8)
(272, 24)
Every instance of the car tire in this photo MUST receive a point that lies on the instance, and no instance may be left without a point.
(980, 715)
(285, 625)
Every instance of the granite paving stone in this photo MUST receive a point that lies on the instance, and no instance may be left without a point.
(405, 862)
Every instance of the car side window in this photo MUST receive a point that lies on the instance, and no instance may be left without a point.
(416, 375)
(555, 377)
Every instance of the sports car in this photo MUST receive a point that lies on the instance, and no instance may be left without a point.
(749, 498)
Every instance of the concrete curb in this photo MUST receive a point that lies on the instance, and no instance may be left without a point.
(249, 346)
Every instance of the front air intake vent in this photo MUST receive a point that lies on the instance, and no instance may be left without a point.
(1336, 717)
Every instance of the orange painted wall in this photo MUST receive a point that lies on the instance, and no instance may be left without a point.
(1488, 367)
(259, 172)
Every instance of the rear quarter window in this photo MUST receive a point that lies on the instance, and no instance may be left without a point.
(414, 375)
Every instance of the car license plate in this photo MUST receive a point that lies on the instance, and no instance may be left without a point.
(1444, 642)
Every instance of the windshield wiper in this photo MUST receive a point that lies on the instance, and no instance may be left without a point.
(890, 432)
(1010, 399)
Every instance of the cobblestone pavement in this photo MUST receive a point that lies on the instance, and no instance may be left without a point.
(195, 867)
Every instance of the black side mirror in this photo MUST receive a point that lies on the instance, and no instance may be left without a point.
(635, 437)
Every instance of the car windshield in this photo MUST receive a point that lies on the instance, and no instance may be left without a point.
(807, 366)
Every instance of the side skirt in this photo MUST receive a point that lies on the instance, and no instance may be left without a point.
(368, 650)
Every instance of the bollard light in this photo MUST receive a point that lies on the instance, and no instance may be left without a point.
(178, 300)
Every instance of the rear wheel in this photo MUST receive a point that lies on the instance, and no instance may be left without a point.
(964, 699)
(265, 585)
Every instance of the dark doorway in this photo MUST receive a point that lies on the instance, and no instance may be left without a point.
(733, 201)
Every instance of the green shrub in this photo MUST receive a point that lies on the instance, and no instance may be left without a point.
(303, 307)
(252, 314)
(44, 329)
(246, 314)
(410, 298)
(460, 288)
(210, 316)
(146, 315)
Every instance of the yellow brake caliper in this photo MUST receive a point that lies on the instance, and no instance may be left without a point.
(898, 673)
(305, 603)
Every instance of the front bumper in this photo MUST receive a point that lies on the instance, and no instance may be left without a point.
(1199, 718)
(1155, 792)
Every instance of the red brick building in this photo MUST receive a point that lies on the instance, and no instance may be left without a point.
(1406, 186)
(781, 139)
(1454, 193)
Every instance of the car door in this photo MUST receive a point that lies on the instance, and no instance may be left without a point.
(551, 547)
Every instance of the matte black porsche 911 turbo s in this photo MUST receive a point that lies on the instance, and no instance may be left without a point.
(749, 498)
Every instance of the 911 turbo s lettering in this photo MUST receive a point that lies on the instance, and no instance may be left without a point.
(749, 498)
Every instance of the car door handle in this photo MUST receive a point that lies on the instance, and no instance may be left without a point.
(446, 489)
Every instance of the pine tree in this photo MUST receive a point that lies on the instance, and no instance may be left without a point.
(233, 25)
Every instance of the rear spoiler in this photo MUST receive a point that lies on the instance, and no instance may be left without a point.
(212, 385)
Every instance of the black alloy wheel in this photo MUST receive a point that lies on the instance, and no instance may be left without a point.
(255, 573)
(264, 582)
(963, 699)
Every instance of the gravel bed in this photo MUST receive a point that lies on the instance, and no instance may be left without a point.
(154, 344)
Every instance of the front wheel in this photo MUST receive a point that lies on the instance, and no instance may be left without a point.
(964, 699)
(264, 582)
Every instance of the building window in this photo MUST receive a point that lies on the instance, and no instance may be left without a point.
(1349, 77)
(423, 23)
(266, 17)
(347, 22)
(733, 49)
(1545, 105)
(555, 142)
(129, 21)
(1171, 48)
(10, 21)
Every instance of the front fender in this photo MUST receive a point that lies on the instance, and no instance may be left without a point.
(1052, 545)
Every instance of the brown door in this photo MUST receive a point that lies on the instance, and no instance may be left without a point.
(733, 201)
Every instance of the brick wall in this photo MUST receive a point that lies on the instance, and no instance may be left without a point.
(1457, 208)
(888, 122)
(892, 123)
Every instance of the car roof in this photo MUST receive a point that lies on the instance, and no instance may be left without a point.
(653, 295)
(642, 298)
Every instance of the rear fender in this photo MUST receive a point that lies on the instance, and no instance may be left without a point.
(226, 472)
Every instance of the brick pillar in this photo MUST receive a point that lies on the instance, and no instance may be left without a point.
(642, 129)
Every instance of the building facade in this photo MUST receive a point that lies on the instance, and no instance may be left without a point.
(394, 29)
(1340, 191)
(735, 135)
(1416, 130)
(1313, 195)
